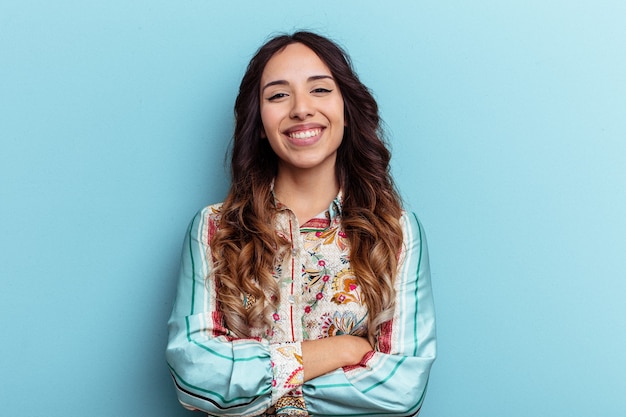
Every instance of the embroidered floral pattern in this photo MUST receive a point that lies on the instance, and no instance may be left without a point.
(287, 369)
(341, 323)
(320, 298)
(345, 288)
(289, 405)
(323, 282)
(331, 236)
(329, 292)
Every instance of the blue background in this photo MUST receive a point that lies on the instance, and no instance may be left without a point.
(508, 127)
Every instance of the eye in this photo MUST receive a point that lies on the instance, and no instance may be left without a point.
(321, 90)
(276, 96)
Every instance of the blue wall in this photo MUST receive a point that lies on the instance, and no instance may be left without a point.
(508, 125)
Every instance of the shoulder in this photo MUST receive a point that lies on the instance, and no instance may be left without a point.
(206, 222)
(212, 211)
(411, 223)
(413, 234)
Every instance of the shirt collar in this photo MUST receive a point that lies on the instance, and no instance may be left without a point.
(334, 210)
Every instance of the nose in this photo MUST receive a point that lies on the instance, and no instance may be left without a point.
(302, 106)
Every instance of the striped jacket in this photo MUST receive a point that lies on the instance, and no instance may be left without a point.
(320, 297)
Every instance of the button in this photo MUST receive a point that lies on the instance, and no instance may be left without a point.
(291, 299)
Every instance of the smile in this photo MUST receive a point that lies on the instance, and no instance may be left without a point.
(305, 134)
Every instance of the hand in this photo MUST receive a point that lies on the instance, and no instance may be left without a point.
(358, 347)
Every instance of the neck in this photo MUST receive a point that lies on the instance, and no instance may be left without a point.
(306, 193)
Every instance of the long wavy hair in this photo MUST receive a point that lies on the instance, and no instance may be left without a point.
(246, 248)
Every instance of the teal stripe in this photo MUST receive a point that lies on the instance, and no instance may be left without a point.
(343, 385)
(419, 265)
(393, 371)
(333, 385)
(193, 269)
(215, 394)
(232, 359)
(193, 275)
(410, 410)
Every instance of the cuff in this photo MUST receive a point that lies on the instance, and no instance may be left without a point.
(288, 373)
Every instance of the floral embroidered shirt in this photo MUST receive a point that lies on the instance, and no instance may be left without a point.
(320, 297)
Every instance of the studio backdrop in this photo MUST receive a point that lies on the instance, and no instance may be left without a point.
(507, 123)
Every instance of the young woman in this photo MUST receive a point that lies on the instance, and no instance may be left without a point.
(307, 291)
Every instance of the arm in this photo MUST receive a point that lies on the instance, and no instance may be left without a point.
(212, 371)
(392, 380)
(346, 350)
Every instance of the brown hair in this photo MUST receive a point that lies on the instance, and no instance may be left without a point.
(245, 247)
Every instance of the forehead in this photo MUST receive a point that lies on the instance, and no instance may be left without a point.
(293, 62)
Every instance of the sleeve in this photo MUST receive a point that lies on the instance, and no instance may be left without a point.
(212, 371)
(391, 380)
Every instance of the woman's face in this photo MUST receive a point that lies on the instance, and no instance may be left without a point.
(301, 110)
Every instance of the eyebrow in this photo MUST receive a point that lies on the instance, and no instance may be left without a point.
(285, 82)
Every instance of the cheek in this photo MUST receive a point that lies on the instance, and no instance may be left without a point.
(340, 113)
(269, 119)
(264, 123)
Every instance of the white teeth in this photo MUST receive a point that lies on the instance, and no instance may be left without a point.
(306, 134)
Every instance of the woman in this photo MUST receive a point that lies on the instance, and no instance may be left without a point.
(307, 292)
